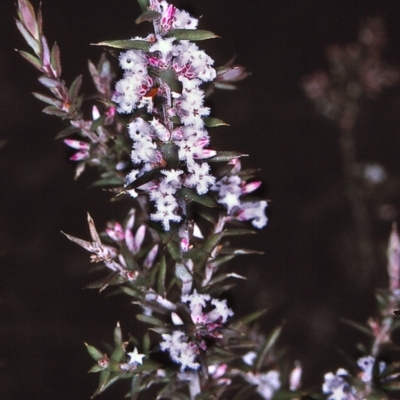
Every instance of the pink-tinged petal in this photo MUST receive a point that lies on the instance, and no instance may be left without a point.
(206, 153)
(184, 245)
(95, 113)
(203, 142)
(45, 52)
(149, 261)
(251, 187)
(79, 155)
(176, 319)
(131, 220)
(129, 240)
(139, 237)
(77, 144)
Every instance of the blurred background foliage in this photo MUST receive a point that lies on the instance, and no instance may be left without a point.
(310, 275)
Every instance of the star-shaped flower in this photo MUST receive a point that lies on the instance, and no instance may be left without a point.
(135, 357)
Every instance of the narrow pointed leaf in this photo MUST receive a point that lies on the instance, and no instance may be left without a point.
(150, 320)
(225, 156)
(92, 228)
(96, 368)
(36, 62)
(223, 171)
(238, 232)
(191, 195)
(30, 40)
(211, 122)
(135, 387)
(67, 131)
(358, 326)
(83, 243)
(48, 99)
(94, 353)
(162, 272)
(191, 34)
(148, 15)
(127, 44)
(48, 82)
(248, 319)
(51, 110)
(174, 250)
(55, 60)
(269, 343)
(75, 88)
(118, 335)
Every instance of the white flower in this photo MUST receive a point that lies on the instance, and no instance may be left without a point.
(267, 383)
(254, 211)
(135, 357)
(180, 350)
(172, 177)
(199, 177)
(336, 387)
(249, 357)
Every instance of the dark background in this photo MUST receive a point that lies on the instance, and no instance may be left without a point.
(308, 276)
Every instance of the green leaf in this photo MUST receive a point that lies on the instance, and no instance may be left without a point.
(161, 276)
(51, 110)
(357, 326)
(248, 319)
(55, 60)
(238, 232)
(150, 320)
(48, 99)
(96, 354)
(97, 123)
(126, 44)
(148, 15)
(191, 34)
(268, 344)
(135, 387)
(225, 156)
(191, 195)
(146, 343)
(74, 89)
(145, 178)
(225, 86)
(174, 249)
(144, 4)
(96, 368)
(118, 335)
(36, 62)
(169, 77)
(223, 171)
(115, 181)
(211, 122)
(170, 153)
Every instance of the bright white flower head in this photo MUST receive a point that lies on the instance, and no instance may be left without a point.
(267, 383)
(135, 357)
(180, 350)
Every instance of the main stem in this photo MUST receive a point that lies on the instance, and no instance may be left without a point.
(355, 195)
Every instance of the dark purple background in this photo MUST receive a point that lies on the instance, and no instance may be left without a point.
(307, 276)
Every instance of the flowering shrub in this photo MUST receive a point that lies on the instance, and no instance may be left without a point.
(147, 136)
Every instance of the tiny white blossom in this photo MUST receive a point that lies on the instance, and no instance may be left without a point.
(135, 357)
(200, 178)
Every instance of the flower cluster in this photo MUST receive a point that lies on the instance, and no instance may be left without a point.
(205, 325)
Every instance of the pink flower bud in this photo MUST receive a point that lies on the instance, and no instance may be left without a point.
(95, 113)
(80, 155)
(207, 153)
(77, 144)
(176, 319)
(139, 237)
(151, 256)
(251, 187)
